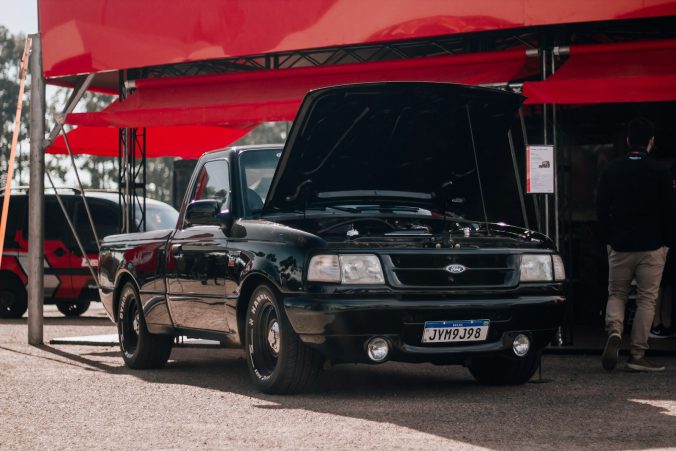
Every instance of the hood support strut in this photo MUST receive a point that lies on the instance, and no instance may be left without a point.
(478, 172)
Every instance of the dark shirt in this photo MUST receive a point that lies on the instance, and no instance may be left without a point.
(634, 202)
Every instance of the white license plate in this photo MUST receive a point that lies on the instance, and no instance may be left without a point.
(454, 331)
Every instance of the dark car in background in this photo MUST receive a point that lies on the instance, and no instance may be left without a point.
(67, 280)
(372, 243)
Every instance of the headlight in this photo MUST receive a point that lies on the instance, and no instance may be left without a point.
(536, 268)
(559, 269)
(324, 268)
(360, 269)
(349, 269)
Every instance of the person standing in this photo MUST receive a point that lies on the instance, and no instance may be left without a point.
(637, 225)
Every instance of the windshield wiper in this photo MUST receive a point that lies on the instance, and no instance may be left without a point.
(345, 209)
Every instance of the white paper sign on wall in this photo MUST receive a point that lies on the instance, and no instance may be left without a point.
(539, 169)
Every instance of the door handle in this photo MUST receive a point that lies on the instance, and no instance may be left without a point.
(176, 250)
(60, 252)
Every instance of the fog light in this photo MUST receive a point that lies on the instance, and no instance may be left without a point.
(521, 345)
(378, 348)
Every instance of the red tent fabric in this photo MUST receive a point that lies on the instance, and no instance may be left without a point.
(274, 95)
(607, 73)
(186, 142)
(83, 36)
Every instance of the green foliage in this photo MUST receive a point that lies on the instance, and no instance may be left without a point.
(266, 133)
(96, 172)
(11, 50)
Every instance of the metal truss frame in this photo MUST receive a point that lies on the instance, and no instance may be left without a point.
(445, 45)
(533, 38)
(131, 179)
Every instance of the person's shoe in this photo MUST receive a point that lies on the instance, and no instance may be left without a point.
(611, 351)
(662, 332)
(643, 364)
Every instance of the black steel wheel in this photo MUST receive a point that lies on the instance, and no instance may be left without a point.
(73, 309)
(505, 369)
(278, 361)
(140, 349)
(13, 299)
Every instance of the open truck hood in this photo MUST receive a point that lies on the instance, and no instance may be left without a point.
(394, 142)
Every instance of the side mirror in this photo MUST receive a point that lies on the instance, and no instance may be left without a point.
(208, 212)
(203, 212)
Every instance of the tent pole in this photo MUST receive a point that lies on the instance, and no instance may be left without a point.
(544, 135)
(556, 166)
(36, 196)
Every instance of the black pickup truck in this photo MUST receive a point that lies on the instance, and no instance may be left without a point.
(365, 238)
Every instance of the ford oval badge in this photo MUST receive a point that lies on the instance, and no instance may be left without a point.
(455, 269)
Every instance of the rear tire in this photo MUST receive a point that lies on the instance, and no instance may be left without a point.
(278, 361)
(140, 349)
(73, 309)
(504, 369)
(13, 299)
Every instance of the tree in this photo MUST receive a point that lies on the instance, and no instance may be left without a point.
(266, 133)
(11, 49)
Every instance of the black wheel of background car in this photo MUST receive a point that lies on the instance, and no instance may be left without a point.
(73, 309)
(13, 299)
(140, 349)
(505, 369)
(278, 361)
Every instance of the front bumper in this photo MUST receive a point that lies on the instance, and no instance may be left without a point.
(339, 328)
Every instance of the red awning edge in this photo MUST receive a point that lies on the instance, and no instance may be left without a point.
(188, 142)
(275, 95)
(642, 71)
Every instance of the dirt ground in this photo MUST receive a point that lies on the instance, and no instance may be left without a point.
(83, 397)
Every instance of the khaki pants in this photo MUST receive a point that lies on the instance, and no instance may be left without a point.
(646, 267)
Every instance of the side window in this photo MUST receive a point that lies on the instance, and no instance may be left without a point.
(56, 227)
(105, 216)
(16, 217)
(213, 182)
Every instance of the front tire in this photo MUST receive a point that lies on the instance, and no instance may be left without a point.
(13, 299)
(504, 369)
(73, 309)
(278, 361)
(140, 349)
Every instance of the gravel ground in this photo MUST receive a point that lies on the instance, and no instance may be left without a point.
(83, 397)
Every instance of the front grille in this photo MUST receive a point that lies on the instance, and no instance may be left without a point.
(430, 270)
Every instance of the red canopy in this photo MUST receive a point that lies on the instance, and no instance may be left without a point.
(274, 95)
(606, 73)
(186, 142)
(83, 36)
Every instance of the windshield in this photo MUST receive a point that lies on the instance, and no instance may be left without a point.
(159, 217)
(257, 168)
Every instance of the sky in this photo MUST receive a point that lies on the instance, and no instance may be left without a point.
(19, 15)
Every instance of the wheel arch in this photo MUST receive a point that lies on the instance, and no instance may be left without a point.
(11, 275)
(122, 280)
(252, 281)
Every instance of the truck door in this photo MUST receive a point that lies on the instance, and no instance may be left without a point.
(197, 259)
